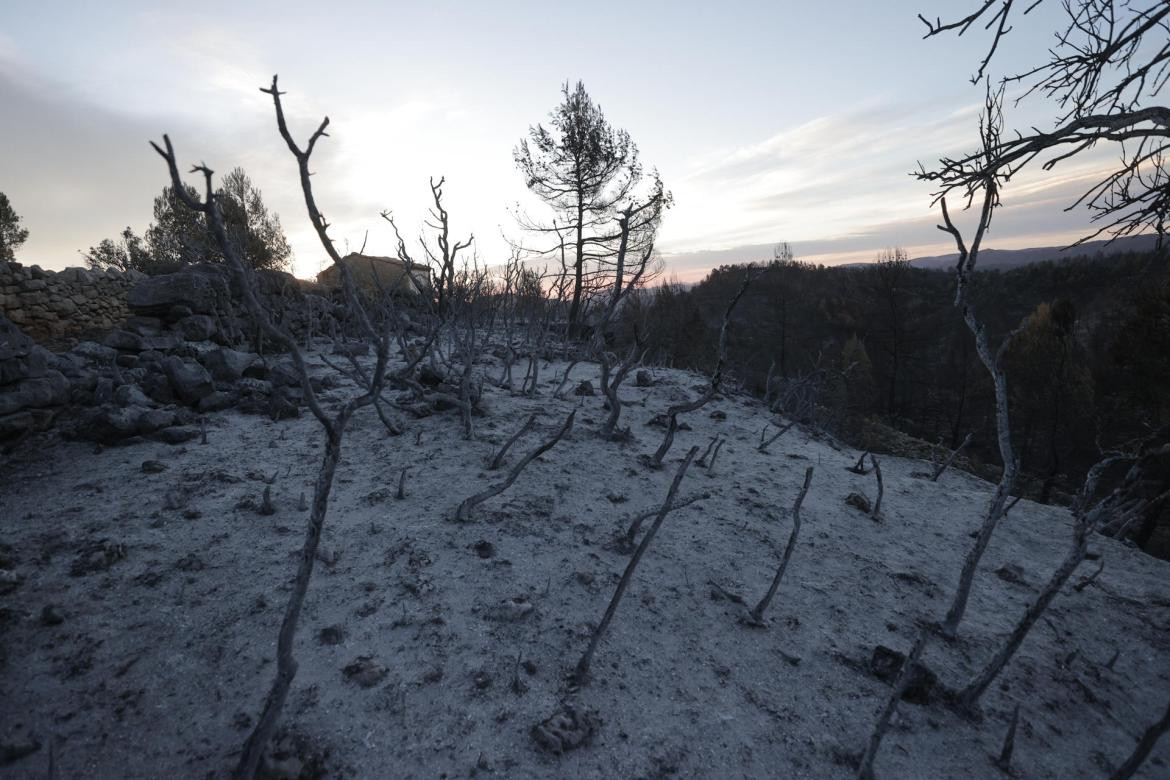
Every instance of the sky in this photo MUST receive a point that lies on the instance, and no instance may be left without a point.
(769, 121)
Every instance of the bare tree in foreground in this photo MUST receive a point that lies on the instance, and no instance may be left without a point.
(581, 672)
(756, 616)
(334, 425)
(990, 126)
(1088, 518)
(1106, 67)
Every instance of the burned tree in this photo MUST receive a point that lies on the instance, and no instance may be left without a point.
(1105, 69)
(463, 513)
(581, 671)
(756, 617)
(1117, 508)
(990, 127)
(333, 424)
(716, 380)
(584, 169)
(443, 257)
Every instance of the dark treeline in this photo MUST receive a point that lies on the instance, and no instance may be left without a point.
(1088, 370)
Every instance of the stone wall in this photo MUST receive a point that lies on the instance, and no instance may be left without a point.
(57, 307)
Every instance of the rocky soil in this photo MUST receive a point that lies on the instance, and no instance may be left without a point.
(142, 583)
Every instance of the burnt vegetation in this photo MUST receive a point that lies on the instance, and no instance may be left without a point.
(1049, 382)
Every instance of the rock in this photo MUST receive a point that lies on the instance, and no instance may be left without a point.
(283, 405)
(1012, 573)
(284, 374)
(158, 387)
(50, 616)
(331, 635)
(217, 401)
(254, 386)
(585, 388)
(188, 379)
(858, 501)
(643, 378)
(144, 326)
(30, 366)
(227, 365)
(14, 343)
(886, 664)
(124, 341)
(351, 348)
(107, 424)
(198, 289)
(97, 556)
(103, 391)
(9, 580)
(510, 610)
(196, 327)
(566, 729)
(131, 395)
(429, 376)
(16, 424)
(94, 352)
(176, 434)
(163, 342)
(153, 419)
(52, 389)
(364, 671)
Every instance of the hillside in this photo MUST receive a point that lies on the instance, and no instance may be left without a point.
(139, 635)
(1004, 259)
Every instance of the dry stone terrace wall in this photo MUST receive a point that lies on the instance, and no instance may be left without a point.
(57, 307)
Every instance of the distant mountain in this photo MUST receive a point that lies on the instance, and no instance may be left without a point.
(1014, 258)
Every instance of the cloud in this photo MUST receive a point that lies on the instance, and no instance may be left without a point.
(839, 188)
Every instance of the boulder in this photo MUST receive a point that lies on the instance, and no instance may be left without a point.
(95, 353)
(124, 341)
(131, 395)
(200, 289)
(29, 366)
(158, 387)
(886, 664)
(196, 327)
(13, 341)
(284, 374)
(189, 380)
(227, 365)
(16, 424)
(109, 424)
(52, 389)
(176, 434)
(216, 401)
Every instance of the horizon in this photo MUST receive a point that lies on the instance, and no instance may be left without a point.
(824, 167)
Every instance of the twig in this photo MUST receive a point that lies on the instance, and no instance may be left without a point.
(498, 460)
(865, 767)
(1004, 761)
(756, 618)
(581, 673)
(463, 513)
(938, 472)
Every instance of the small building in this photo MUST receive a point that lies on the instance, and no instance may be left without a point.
(375, 275)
